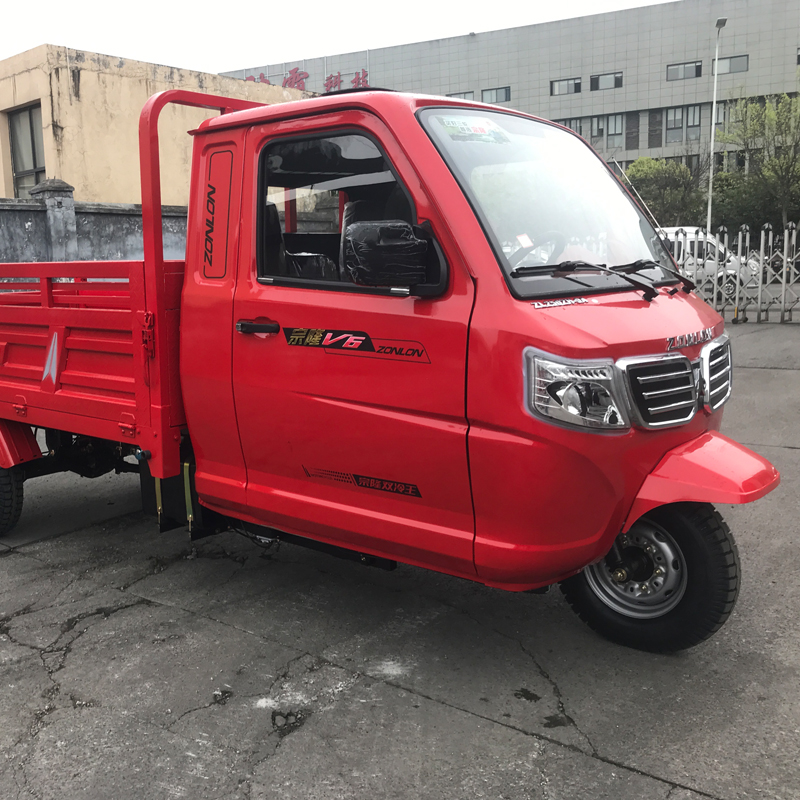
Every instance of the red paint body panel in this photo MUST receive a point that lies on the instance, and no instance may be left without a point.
(712, 469)
(436, 462)
(207, 332)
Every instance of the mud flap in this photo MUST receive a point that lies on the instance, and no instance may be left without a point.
(18, 445)
(175, 503)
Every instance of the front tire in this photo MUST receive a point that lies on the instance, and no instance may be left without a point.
(673, 585)
(11, 481)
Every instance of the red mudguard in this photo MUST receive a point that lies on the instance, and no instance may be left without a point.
(709, 469)
(17, 444)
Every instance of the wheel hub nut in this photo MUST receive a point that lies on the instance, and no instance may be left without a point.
(619, 575)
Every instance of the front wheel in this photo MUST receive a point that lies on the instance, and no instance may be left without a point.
(668, 584)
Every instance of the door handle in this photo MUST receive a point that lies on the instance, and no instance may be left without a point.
(251, 326)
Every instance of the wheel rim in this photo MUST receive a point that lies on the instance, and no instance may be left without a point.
(655, 574)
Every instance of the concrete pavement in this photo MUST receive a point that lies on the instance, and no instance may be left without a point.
(135, 666)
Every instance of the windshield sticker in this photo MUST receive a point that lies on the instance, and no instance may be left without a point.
(525, 240)
(356, 343)
(473, 129)
(365, 481)
(572, 301)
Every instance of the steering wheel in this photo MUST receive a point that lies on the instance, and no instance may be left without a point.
(558, 238)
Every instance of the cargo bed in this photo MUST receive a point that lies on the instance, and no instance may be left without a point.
(82, 350)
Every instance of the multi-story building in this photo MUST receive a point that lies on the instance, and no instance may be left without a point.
(634, 83)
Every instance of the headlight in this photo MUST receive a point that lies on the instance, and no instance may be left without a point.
(582, 393)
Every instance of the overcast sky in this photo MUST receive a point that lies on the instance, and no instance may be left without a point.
(223, 36)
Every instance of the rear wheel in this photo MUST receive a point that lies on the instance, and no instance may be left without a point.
(669, 583)
(11, 481)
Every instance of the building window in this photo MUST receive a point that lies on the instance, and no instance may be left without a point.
(568, 86)
(501, 95)
(674, 125)
(615, 130)
(732, 64)
(632, 130)
(611, 80)
(680, 72)
(598, 129)
(692, 123)
(798, 56)
(27, 149)
(693, 163)
(655, 123)
(574, 124)
(721, 116)
(463, 95)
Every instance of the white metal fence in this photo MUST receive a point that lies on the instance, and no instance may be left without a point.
(748, 276)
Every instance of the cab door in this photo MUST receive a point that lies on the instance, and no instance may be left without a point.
(350, 399)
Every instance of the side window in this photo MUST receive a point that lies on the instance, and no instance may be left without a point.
(312, 190)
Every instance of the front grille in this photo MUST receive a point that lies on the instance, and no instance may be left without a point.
(717, 373)
(664, 391)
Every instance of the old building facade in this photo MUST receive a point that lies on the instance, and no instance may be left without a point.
(73, 115)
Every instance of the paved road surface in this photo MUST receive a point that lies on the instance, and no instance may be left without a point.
(134, 667)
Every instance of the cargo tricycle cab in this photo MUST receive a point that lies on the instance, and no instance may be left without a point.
(409, 329)
(349, 328)
(456, 342)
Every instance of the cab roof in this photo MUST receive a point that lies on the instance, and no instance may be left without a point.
(383, 102)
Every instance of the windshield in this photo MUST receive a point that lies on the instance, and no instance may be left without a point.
(544, 199)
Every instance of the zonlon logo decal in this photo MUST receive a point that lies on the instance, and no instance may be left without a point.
(356, 343)
(690, 339)
(572, 301)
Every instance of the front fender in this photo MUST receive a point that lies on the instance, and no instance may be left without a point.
(709, 469)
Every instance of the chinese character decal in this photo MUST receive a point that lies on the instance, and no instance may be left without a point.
(360, 80)
(296, 79)
(333, 82)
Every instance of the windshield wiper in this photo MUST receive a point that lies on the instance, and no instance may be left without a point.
(570, 266)
(646, 263)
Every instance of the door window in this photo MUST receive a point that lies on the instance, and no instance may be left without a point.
(312, 190)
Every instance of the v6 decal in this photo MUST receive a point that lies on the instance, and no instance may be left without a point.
(337, 340)
(356, 343)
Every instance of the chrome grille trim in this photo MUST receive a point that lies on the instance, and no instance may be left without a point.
(662, 390)
(671, 406)
(662, 376)
(716, 363)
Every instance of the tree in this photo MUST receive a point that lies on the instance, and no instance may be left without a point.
(768, 133)
(668, 188)
(740, 199)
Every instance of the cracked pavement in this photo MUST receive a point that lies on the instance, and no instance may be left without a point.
(135, 665)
